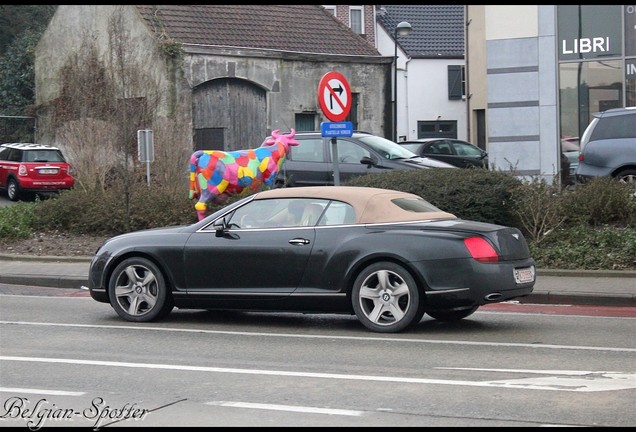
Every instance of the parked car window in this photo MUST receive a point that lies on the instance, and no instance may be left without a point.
(466, 150)
(43, 156)
(613, 128)
(387, 148)
(441, 147)
(311, 150)
(350, 152)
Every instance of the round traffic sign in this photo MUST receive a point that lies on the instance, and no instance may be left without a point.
(334, 96)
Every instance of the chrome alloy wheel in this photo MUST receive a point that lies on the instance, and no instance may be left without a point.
(138, 291)
(386, 298)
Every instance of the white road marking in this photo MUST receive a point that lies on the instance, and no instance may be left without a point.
(290, 408)
(597, 382)
(330, 337)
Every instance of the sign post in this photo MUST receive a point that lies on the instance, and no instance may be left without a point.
(334, 96)
(146, 149)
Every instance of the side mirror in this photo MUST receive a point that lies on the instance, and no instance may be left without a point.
(366, 160)
(219, 225)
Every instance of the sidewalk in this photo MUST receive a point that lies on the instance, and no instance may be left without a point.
(588, 287)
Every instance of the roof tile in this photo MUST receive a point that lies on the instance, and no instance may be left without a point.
(295, 28)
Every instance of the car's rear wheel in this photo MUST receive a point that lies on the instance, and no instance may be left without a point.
(138, 291)
(627, 176)
(386, 298)
(13, 190)
(451, 315)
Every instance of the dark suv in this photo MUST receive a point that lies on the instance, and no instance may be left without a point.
(27, 169)
(311, 162)
(608, 146)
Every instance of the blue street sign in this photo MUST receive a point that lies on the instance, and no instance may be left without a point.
(336, 129)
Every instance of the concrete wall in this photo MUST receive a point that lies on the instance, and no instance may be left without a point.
(75, 27)
(290, 79)
(427, 86)
(292, 83)
(521, 90)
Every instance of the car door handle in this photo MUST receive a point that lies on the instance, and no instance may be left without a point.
(299, 241)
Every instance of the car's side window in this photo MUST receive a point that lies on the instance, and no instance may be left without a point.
(15, 156)
(350, 152)
(309, 150)
(466, 150)
(338, 213)
(443, 147)
(277, 213)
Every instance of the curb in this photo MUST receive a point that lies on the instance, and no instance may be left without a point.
(51, 281)
(579, 299)
(47, 258)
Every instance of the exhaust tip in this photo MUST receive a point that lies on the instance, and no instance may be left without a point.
(493, 296)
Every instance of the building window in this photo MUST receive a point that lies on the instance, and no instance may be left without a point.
(305, 122)
(437, 129)
(630, 82)
(587, 88)
(330, 9)
(456, 82)
(355, 19)
(353, 113)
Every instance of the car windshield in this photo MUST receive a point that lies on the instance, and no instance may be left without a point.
(387, 148)
(411, 146)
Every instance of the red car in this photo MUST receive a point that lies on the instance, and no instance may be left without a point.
(27, 169)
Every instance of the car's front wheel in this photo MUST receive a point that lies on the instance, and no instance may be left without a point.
(386, 298)
(13, 190)
(138, 291)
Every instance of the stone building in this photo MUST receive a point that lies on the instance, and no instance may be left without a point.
(233, 73)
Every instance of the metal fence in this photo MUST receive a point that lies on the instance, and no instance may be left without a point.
(18, 129)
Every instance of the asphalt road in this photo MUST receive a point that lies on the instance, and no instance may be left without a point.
(200, 368)
(4, 201)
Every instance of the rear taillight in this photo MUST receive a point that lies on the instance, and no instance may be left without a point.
(22, 170)
(580, 157)
(481, 250)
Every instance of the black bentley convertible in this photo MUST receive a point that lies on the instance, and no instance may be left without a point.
(386, 256)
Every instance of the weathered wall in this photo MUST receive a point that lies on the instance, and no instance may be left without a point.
(290, 80)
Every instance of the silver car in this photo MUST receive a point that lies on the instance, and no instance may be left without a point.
(608, 146)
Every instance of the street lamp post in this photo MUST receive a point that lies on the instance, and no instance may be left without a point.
(402, 29)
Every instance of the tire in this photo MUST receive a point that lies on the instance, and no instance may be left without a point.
(138, 291)
(448, 315)
(627, 176)
(386, 299)
(13, 190)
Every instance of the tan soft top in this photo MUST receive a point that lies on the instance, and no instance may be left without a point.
(372, 205)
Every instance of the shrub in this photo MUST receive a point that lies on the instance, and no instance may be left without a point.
(474, 194)
(104, 211)
(586, 247)
(539, 208)
(16, 221)
(600, 202)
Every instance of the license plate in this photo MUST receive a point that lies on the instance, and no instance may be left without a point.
(524, 275)
(48, 171)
